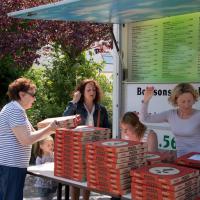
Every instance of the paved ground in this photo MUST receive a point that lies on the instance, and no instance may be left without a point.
(30, 192)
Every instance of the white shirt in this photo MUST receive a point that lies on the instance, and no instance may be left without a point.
(90, 119)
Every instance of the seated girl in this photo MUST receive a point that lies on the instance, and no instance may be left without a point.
(133, 129)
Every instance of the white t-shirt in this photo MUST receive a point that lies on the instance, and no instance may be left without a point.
(90, 119)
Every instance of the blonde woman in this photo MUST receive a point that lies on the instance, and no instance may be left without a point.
(184, 120)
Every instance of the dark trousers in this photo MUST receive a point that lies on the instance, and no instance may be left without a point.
(12, 182)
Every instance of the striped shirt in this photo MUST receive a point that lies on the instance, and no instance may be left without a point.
(12, 152)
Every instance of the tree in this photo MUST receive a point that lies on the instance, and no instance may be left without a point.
(56, 84)
(20, 39)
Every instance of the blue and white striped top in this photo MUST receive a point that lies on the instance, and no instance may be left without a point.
(12, 152)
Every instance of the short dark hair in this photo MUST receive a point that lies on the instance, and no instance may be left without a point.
(81, 89)
(20, 84)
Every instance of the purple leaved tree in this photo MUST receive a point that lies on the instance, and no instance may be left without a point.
(20, 39)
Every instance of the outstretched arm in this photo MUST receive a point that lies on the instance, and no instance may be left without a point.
(147, 117)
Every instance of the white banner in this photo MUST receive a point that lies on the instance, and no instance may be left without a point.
(133, 95)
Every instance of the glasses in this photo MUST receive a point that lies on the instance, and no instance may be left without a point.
(31, 94)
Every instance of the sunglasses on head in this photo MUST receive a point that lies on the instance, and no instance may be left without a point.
(31, 94)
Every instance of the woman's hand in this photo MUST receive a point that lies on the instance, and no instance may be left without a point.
(76, 97)
(149, 91)
(54, 125)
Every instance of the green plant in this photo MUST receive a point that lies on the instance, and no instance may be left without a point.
(8, 74)
(56, 83)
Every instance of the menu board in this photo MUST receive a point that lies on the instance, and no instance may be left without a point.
(165, 50)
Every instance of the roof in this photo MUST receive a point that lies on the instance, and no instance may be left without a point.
(109, 11)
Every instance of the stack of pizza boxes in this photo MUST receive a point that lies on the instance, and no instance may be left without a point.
(164, 182)
(69, 154)
(109, 164)
(154, 157)
(192, 160)
(64, 122)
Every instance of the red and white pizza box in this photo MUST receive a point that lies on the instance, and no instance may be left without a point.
(69, 162)
(81, 169)
(109, 172)
(136, 154)
(105, 158)
(154, 157)
(81, 138)
(65, 122)
(111, 177)
(116, 162)
(89, 130)
(139, 184)
(112, 190)
(151, 191)
(101, 137)
(99, 130)
(114, 186)
(91, 185)
(90, 146)
(117, 180)
(155, 196)
(101, 169)
(165, 173)
(191, 159)
(132, 164)
(118, 145)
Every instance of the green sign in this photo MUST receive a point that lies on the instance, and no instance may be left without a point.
(166, 50)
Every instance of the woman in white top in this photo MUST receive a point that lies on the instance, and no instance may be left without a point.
(16, 137)
(184, 119)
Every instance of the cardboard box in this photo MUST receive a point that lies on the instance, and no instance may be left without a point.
(65, 122)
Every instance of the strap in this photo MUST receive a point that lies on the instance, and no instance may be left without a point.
(98, 119)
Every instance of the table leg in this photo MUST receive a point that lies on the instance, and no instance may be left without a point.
(59, 192)
(66, 192)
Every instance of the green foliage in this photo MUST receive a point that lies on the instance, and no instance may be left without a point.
(8, 74)
(56, 83)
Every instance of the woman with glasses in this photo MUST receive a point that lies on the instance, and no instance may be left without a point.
(16, 137)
